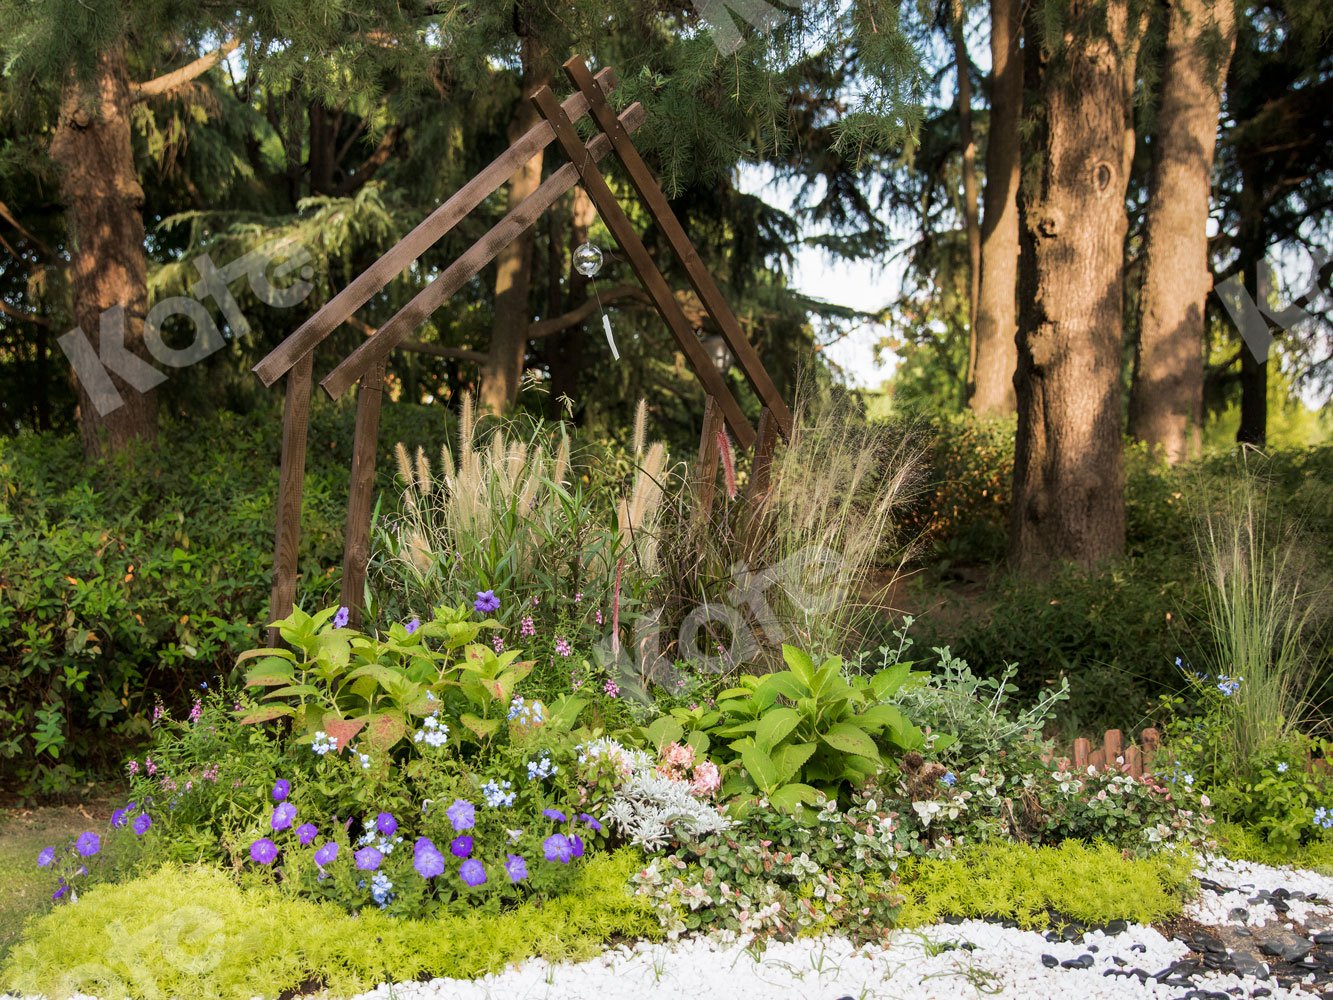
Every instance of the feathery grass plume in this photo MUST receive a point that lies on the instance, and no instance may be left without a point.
(424, 483)
(1264, 607)
(447, 471)
(728, 463)
(404, 464)
(640, 438)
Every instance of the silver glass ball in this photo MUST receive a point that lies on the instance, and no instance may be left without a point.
(587, 259)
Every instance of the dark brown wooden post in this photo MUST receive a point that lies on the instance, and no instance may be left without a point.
(1081, 754)
(291, 483)
(1114, 745)
(762, 468)
(608, 207)
(356, 546)
(1133, 761)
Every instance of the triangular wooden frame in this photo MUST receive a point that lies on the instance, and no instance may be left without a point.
(293, 358)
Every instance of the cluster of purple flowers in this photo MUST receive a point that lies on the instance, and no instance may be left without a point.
(264, 851)
(89, 843)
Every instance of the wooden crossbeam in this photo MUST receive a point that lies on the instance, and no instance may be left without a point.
(426, 234)
(376, 348)
(700, 279)
(613, 216)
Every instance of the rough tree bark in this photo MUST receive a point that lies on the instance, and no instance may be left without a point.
(503, 369)
(1068, 500)
(997, 303)
(1252, 243)
(1166, 399)
(100, 189)
(971, 225)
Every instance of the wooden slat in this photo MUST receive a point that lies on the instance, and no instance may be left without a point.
(291, 483)
(427, 233)
(762, 467)
(378, 347)
(699, 276)
(623, 230)
(356, 542)
(1133, 761)
(1150, 739)
(1097, 759)
(1081, 754)
(705, 471)
(1114, 745)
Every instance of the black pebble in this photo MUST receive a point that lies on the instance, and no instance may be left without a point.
(1050, 961)
(1142, 949)
(1115, 927)
(1324, 937)
(1239, 913)
(1082, 962)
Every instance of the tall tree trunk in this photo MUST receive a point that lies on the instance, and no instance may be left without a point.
(997, 302)
(104, 201)
(567, 355)
(971, 226)
(502, 370)
(1252, 244)
(1166, 400)
(1068, 501)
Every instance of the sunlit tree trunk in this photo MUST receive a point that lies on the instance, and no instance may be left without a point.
(971, 225)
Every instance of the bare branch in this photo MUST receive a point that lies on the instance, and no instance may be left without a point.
(168, 82)
(575, 316)
(9, 310)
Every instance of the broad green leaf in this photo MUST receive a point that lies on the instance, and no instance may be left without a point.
(295, 691)
(699, 740)
(663, 731)
(385, 730)
(484, 728)
(887, 682)
(775, 726)
(267, 714)
(565, 712)
(791, 758)
(784, 683)
(259, 678)
(850, 739)
(800, 664)
(945, 740)
(791, 797)
(880, 717)
(285, 654)
(761, 768)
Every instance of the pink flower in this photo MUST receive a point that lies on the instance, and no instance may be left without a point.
(197, 710)
(498, 643)
(133, 767)
(678, 756)
(598, 616)
(563, 647)
(149, 766)
(578, 597)
(526, 628)
(611, 688)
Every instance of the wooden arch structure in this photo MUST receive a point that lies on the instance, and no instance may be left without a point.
(293, 359)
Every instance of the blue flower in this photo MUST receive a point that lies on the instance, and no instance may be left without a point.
(88, 844)
(386, 824)
(486, 602)
(306, 833)
(326, 854)
(462, 815)
(413, 625)
(576, 845)
(543, 768)
(141, 824)
(427, 859)
(281, 789)
(1282, 767)
(554, 814)
(461, 847)
(45, 857)
(516, 868)
(497, 794)
(950, 779)
(118, 817)
(1323, 818)
(557, 847)
(323, 743)
(263, 851)
(367, 859)
(472, 872)
(591, 822)
(341, 618)
(283, 815)
(379, 889)
(1228, 685)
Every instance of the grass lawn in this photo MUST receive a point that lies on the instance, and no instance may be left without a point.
(24, 832)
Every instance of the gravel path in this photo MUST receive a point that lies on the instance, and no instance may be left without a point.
(1255, 932)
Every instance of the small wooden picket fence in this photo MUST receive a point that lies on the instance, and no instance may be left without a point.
(1135, 759)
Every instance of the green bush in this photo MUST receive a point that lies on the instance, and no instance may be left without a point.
(194, 932)
(1093, 884)
(140, 577)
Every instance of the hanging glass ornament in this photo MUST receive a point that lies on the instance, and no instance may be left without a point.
(587, 259)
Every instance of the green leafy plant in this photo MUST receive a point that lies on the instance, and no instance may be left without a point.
(798, 734)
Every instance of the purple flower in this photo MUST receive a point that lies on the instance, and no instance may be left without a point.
(591, 822)
(461, 847)
(283, 816)
(485, 603)
(516, 868)
(281, 789)
(413, 625)
(326, 854)
(141, 824)
(118, 817)
(472, 872)
(45, 857)
(64, 888)
(554, 814)
(558, 848)
(576, 843)
(340, 619)
(88, 844)
(427, 859)
(368, 859)
(462, 815)
(386, 824)
(306, 833)
(263, 851)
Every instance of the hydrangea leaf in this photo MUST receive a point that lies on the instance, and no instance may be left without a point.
(850, 739)
(344, 730)
(267, 714)
(775, 727)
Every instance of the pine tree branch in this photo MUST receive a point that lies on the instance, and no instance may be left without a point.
(9, 217)
(168, 82)
(22, 316)
(355, 181)
(467, 354)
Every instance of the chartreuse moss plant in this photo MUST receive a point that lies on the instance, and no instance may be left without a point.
(194, 932)
(1247, 844)
(1089, 883)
